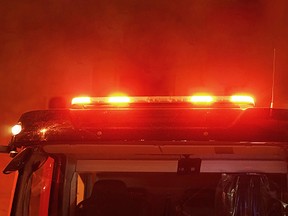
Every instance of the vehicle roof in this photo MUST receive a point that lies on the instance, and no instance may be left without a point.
(157, 123)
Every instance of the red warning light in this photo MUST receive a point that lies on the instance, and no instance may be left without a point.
(119, 99)
(202, 99)
(81, 100)
(242, 99)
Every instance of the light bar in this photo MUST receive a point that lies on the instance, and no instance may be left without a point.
(16, 129)
(240, 101)
(81, 100)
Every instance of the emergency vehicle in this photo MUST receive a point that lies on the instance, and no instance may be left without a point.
(151, 156)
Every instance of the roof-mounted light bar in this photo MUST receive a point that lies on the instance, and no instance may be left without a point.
(241, 101)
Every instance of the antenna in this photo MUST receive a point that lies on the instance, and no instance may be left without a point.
(273, 79)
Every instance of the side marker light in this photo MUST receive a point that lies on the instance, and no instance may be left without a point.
(16, 129)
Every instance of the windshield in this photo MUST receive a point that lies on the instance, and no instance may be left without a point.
(170, 193)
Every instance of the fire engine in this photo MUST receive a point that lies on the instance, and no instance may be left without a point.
(151, 156)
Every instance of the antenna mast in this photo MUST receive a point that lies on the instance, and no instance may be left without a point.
(273, 79)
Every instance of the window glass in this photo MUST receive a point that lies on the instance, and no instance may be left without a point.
(156, 193)
(80, 189)
(40, 189)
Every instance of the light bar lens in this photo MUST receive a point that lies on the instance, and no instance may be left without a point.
(81, 100)
(202, 99)
(242, 99)
(119, 99)
(16, 129)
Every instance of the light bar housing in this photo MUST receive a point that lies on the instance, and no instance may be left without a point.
(235, 101)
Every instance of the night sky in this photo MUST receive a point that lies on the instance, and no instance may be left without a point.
(140, 47)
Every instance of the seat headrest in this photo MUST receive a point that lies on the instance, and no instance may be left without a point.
(109, 186)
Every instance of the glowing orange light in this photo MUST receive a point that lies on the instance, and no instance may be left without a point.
(16, 129)
(119, 99)
(43, 131)
(242, 99)
(202, 99)
(81, 100)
